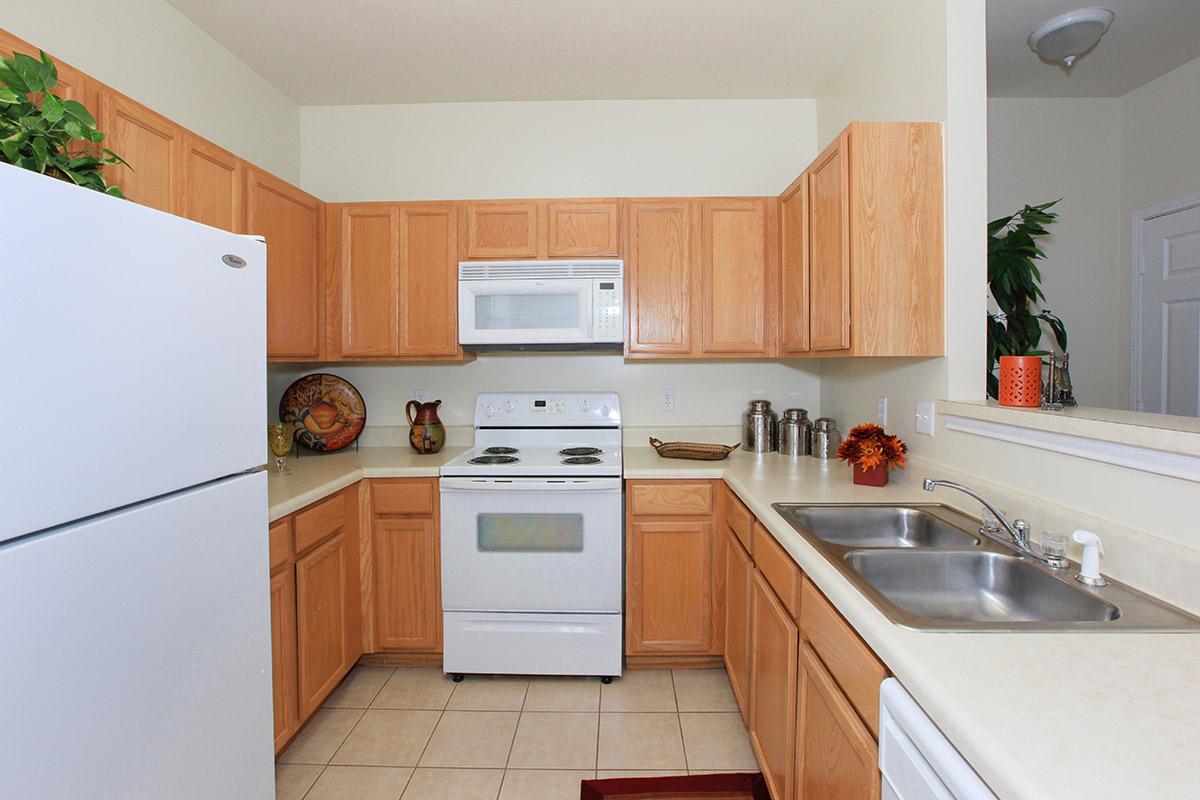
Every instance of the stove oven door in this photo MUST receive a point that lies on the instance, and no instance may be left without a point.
(532, 544)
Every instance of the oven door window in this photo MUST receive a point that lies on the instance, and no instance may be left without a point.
(534, 311)
(529, 533)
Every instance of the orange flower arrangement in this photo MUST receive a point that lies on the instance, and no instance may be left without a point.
(870, 446)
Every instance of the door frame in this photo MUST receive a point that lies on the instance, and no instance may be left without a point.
(1137, 239)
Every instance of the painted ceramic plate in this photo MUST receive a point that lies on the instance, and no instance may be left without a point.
(327, 412)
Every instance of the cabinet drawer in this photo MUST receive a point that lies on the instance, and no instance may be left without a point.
(855, 667)
(280, 538)
(319, 522)
(402, 497)
(778, 568)
(739, 520)
(671, 498)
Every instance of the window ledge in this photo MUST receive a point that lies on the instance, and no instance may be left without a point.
(1165, 445)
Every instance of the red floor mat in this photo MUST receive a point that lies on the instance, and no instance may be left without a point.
(738, 786)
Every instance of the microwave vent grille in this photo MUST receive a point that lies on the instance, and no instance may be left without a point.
(517, 270)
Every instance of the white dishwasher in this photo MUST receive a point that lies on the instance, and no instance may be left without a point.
(916, 759)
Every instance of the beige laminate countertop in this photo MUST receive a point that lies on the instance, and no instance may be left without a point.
(1040, 716)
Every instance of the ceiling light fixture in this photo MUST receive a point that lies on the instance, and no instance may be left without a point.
(1068, 36)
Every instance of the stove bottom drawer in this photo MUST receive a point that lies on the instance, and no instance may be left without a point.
(532, 644)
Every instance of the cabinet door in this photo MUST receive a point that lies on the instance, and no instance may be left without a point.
(739, 587)
(502, 230)
(290, 221)
(283, 655)
(774, 664)
(737, 258)
(214, 185)
(582, 228)
(659, 276)
(368, 280)
(408, 594)
(670, 593)
(428, 280)
(323, 612)
(829, 247)
(836, 758)
(150, 143)
(793, 273)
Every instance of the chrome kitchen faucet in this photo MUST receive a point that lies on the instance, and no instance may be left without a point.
(1018, 530)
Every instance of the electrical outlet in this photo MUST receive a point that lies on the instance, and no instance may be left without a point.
(667, 402)
(925, 417)
(420, 394)
(881, 411)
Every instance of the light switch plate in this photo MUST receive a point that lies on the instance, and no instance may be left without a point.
(881, 408)
(667, 402)
(925, 417)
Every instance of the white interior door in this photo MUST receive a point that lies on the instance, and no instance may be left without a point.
(1166, 306)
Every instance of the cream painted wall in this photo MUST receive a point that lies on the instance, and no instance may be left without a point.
(555, 149)
(706, 393)
(149, 51)
(1040, 149)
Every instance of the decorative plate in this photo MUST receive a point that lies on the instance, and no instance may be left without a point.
(326, 411)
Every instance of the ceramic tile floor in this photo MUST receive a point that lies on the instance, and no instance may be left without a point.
(412, 733)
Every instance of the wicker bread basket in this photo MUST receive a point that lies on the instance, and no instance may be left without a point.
(693, 450)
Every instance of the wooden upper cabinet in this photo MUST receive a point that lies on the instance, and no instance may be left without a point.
(583, 229)
(829, 247)
(72, 84)
(793, 268)
(151, 144)
(428, 280)
(738, 258)
(836, 757)
(660, 276)
(502, 229)
(213, 188)
(367, 280)
(290, 221)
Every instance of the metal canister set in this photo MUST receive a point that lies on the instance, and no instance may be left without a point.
(794, 435)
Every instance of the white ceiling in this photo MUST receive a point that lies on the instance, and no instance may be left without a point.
(1148, 38)
(413, 51)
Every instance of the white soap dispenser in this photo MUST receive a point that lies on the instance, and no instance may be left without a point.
(1089, 563)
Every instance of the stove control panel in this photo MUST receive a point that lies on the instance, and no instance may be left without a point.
(552, 409)
(544, 406)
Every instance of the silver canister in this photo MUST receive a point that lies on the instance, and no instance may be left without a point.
(826, 438)
(795, 432)
(760, 427)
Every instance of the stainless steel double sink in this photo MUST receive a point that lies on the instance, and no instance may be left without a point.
(925, 566)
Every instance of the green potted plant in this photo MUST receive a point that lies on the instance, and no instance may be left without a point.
(40, 131)
(1014, 332)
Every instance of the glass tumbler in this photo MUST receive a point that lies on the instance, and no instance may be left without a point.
(279, 437)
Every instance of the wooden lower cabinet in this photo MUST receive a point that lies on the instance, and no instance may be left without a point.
(836, 756)
(408, 608)
(283, 655)
(739, 587)
(325, 648)
(773, 683)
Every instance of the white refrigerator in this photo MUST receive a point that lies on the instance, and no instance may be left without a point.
(135, 656)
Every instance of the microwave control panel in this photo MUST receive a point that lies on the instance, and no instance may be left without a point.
(608, 298)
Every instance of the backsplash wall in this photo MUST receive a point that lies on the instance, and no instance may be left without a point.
(706, 393)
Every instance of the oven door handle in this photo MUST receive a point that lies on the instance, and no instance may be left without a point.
(530, 485)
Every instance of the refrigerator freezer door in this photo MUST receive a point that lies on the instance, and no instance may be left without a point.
(135, 352)
(138, 655)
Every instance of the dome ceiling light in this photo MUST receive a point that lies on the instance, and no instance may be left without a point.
(1068, 36)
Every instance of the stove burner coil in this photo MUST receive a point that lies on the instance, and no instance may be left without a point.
(581, 451)
(582, 460)
(488, 460)
(500, 451)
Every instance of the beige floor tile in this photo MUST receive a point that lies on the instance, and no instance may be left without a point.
(640, 741)
(293, 780)
(471, 739)
(639, 773)
(555, 740)
(454, 784)
(359, 688)
(716, 741)
(321, 737)
(703, 690)
(639, 690)
(360, 783)
(563, 694)
(543, 784)
(387, 738)
(485, 693)
(415, 687)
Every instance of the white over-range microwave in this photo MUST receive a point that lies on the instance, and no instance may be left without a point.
(565, 304)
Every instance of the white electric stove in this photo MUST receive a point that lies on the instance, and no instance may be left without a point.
(532, 538)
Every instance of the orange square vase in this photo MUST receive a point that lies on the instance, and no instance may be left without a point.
(875, 476)
(1021, 381)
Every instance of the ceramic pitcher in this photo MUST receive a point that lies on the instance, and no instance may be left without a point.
(427, 434)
